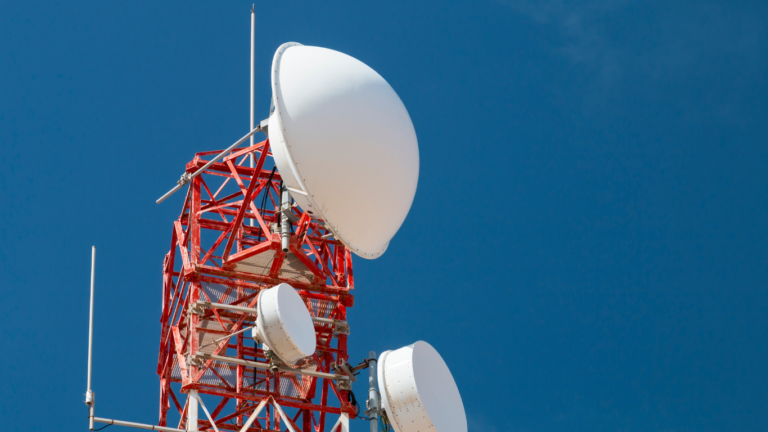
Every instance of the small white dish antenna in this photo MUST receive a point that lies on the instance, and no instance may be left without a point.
(344, 145)
(284, 324)
(418, 392)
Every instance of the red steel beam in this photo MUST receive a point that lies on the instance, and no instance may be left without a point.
(327, 259)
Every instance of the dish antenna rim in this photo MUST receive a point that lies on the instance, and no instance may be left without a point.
(409, 383)
(281, 144)
(283, 315)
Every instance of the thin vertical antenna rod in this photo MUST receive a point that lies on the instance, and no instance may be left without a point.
(253, 67)
(89, 397)
(374, 405)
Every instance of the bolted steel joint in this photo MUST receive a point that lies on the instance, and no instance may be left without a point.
(274, 362)
(344, 384)
(341, 328)
(195, 361)
(196, 309)
(185, 178)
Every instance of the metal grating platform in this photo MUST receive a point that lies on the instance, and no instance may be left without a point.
(291, 385)
(222, 293)
(292, 268)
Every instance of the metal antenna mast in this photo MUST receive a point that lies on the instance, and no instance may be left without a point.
(89, 397)
(253, 77)
(374, 405)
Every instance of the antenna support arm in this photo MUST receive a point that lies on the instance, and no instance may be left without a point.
(187, 177)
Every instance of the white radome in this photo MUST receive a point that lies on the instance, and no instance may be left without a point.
(344, 145)
(418, 392)
(284, 324)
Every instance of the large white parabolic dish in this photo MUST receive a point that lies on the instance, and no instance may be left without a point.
(284, 324)
(344, 145)
(418, 391)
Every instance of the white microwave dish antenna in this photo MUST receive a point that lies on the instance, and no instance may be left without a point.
(418, 392)
(284, 324)
(344, 144)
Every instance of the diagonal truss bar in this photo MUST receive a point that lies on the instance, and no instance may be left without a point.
(239, 218)
(255, 414)
(213, 198)
(215, 246)
(187, 177)
(182, 239)
(199, 399)
(246, 150)
(247, 253)
(250, 203)
(291, 425)
(179, 347)
(224, 342)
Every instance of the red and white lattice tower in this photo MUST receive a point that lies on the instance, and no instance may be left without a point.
(226, 249)
(264, 244)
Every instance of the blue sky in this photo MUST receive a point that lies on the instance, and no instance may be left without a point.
(587, 247)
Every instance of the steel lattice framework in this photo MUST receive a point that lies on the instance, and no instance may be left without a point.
(225, 249)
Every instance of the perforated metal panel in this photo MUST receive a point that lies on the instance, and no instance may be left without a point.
(295, 270)
(292, 268)
(322, 308)
(257, 264)
(291, 385)
(220, 293)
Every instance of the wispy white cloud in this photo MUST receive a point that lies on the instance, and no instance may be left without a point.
(576, 22)
(682, 42)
